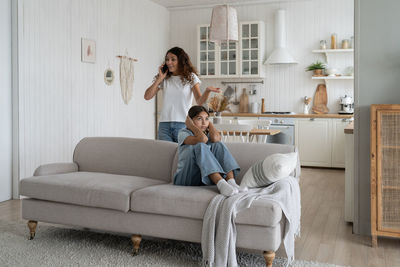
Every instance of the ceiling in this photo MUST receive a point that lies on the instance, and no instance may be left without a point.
(176, 4)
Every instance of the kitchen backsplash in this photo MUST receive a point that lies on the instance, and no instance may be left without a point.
(307, 23)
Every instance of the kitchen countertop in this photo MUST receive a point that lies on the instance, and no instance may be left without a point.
(349, 128)
(330, 115)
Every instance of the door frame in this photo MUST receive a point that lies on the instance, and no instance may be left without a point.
(15, 97)
(356, 208)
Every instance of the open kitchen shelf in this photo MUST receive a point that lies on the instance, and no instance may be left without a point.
(333, 50)
(330, 53)
(332, 77)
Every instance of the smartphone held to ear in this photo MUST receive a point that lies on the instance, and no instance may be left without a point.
(165, 68)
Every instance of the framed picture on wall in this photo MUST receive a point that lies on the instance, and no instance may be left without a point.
(88, 53)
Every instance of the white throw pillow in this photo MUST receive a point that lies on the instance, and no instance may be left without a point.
(269, 170)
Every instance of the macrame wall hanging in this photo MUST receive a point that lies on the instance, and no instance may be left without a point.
(126, 76)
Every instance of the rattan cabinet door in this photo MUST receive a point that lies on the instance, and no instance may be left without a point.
(388, 170)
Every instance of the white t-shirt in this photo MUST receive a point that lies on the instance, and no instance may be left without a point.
(177, 98)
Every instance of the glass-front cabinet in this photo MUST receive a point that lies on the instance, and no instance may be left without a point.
(228, 58)
(207, 53)
(232, 59)
(252, 49)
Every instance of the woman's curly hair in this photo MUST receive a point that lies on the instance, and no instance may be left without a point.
(185, 66)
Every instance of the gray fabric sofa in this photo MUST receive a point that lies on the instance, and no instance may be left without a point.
(125, 185)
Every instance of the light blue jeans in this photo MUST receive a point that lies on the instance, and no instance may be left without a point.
(197, 162)
(168, 131)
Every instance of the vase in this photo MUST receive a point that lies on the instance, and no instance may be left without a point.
(317, 72)
(217, 118)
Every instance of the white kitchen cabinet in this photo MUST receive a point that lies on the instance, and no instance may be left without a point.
(338, 142)
(314, 141)
(228, 58)
(207, 53)
(232, 59)
(321, 142)
(252, 49)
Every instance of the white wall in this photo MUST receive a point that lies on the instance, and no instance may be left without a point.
(62, 99)
(5, 101)
(307, 23)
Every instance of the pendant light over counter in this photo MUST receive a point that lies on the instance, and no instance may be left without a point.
(224, 24)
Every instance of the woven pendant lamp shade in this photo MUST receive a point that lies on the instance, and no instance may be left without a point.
(224, 24)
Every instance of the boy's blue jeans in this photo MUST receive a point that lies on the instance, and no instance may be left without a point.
(201, 160)
(168, 131)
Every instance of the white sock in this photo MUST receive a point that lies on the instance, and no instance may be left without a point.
(233, 183)
(226, 189)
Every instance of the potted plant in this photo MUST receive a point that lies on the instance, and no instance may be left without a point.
(317, 68)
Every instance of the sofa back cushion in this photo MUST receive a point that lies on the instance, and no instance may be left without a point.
(246, 154)
(126, 156)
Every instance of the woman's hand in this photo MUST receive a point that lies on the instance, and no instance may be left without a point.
(202, 98)
(162, 75)
(154, 87)
(213, 89)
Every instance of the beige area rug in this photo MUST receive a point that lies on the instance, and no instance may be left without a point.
(56, 246)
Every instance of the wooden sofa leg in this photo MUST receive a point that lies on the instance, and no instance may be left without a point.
(32, 229)
(269, 257)
(136, 244)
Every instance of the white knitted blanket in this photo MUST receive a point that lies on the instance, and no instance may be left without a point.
(218, 240)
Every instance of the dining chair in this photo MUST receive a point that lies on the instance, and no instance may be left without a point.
(234, 130)
(257, 124)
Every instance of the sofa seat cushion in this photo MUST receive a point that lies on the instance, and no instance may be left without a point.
(86, 188)
(192, 202)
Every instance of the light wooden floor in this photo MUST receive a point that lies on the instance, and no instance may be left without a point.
(325, 237)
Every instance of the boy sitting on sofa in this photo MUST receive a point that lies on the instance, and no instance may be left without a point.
(202, 158)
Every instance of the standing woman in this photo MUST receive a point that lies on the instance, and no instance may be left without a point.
(178, 78)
